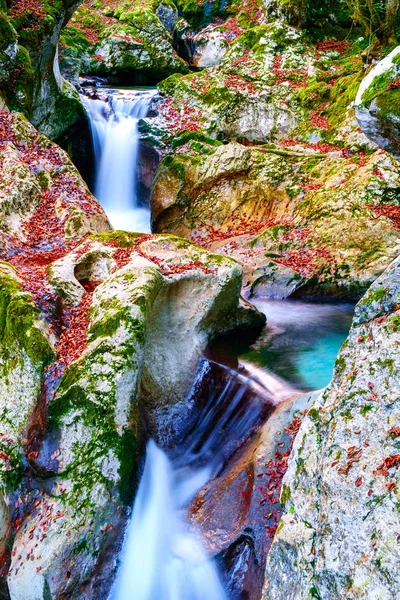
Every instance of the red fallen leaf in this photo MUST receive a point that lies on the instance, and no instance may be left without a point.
(394, 431)
(390, 485)
(358, 482)
(388, 463)
(55, 454)
(68, 574)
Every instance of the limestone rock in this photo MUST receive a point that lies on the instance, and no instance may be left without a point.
(26, 348)
(36, 173)
(242, 202)
(338, 536)
(130, 44)
(210, 45)
(52, 104)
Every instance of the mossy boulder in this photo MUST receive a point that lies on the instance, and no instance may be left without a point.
(35, 86)
(26, 348)
(338, 536)
(150, 317)
(246, 97)
(128, 43)
(34, 172)
(378, 103)
(293, 219)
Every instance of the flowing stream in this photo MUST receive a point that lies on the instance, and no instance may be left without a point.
(163, 558)
(114, 118)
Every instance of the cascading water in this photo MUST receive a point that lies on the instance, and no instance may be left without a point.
(114, 126)
(163, 558)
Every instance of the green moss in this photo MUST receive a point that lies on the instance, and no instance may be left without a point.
(389, 103)
(364, 410)
(193, 136)
(342, 94)
(313, 414)
(18, 322)
(19, 89)
(110, 324)
(378, 86)
(122, 238)
(127, 455)
(340, 364)
(285, 495)
(375, 295)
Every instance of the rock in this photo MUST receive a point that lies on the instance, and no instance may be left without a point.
(156, 303)
(339, 533)
(377, 103)
(129, 45)
(235, 507)
(245, 97)
(38, 175)
(168, 15)
(52, 104)
(242, 202)
(210, 45)
(26, 349)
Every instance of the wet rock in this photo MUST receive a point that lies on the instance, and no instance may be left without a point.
(238, 511)
(340, 494)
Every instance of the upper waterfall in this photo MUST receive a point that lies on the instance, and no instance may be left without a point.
(114, 126)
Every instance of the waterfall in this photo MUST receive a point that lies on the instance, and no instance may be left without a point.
(163, 557)
(114, 126)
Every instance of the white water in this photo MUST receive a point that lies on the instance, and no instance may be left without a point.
(114, 127)
(163, 557)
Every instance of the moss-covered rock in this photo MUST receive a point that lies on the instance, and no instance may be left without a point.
(128, 43)
(34, 85)
(38, 177)
(288, 217)
(25, 350)
(160, 301)
(251, 95)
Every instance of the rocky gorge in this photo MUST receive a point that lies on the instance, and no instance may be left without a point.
(163, 434)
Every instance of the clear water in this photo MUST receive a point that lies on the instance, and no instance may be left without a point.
(299, 343)
(114, 127)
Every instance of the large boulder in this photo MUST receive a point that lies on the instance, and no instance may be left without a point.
(127, 44)
(100, 335)
(155, 302)
(339, 534)
(251, 94)
(26, 347)
(378, 103)
(41, 192)
(293, 218)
